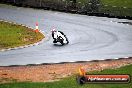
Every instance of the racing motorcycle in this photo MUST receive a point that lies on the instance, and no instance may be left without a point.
(61, 40)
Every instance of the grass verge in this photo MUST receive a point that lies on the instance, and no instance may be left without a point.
(119, 10)
(118, 3)
(12, 35)
(70, 82)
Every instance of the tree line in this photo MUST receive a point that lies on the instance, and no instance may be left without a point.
(88, 7)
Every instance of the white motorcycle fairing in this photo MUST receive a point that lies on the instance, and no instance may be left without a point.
(59, 37)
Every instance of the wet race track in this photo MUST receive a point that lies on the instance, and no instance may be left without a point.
(91, 38)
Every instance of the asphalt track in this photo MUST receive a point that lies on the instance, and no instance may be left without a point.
(91, 38)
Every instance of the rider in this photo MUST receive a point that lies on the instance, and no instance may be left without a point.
(56, 34)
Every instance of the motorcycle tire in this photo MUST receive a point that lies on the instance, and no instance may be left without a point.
(62, 43)
(54, 41)
(67, 40)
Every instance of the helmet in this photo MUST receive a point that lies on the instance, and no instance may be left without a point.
(53, 30)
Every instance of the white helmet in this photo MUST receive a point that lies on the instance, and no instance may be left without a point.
(53, 30)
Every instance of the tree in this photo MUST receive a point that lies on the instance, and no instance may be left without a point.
(94, 5)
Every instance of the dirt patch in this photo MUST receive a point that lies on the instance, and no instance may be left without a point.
(51, 72)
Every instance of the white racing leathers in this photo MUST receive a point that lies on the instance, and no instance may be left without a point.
(57, 34)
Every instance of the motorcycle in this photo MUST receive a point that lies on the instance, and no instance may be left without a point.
(61, 40)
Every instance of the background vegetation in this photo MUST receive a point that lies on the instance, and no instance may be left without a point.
(109, 8)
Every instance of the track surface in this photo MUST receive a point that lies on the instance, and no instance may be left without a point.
(91, 38)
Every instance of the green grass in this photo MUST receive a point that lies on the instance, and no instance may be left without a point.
(70, 82)
(119, 10)
(118, 3)
(12, 35)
